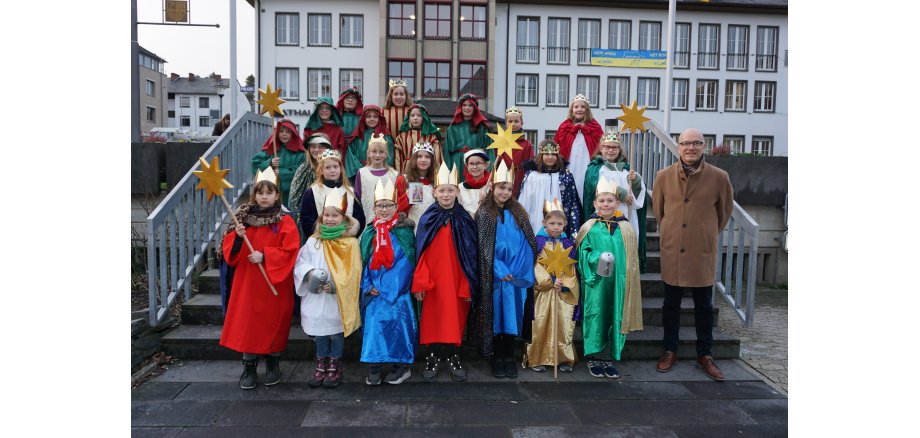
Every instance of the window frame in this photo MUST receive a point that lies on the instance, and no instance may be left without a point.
(484, 80)
(473, 22)
(150, 88)
(610, 33)
(437, 77)
(205, 119)
(205, 99)
(763, 138)
(657, 37)
(185, 121)
(536, 89)
(700, 54)
(351, 83)
(686, 54)
(284, 85)
(742, 57)
(686, 106)
(729, 93)
(310, 30)
(410, 80)
(437, 20)
(549, 134)
(151, 114)
(564, 50)
(715, 96)
(759, 56)
(759, 98)
(342, 33)
(520, 48)
(296, 33)
(185, 101)
(709, 142)
(617, 105)
(402, 19)
(596, 103)
(587, 50)
(729, 137)
(310, 96)
(565, 99)
(657, 91)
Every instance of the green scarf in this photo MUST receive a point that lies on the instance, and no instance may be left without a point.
(329, 233)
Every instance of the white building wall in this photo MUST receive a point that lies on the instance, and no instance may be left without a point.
(195, 112)
(303, 57)
(720, 123)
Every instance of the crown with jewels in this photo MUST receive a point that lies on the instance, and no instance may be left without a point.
(502, 173)
(398, 83)
(330, 153)
(579, 97)
(384, 191)
(446, 176)
(267, 175)
(378, 138)
(513, 110)
(612, 135)
(552, 206)
(337, 198)
(548, 147)
(423, 146)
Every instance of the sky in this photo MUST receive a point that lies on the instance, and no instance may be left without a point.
(200, 50)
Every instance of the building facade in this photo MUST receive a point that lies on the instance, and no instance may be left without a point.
(196, 103)
(730, 56)
(152, 87)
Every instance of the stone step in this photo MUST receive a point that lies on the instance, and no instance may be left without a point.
(201, 342)
(204, 309)
(652, 241)
(653, 261)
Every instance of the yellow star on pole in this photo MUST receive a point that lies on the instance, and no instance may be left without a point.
(504, 142)
(557, 260)
(211, 178)
(632, 117)
(271, 101)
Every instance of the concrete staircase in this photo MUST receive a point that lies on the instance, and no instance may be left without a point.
(198, 336)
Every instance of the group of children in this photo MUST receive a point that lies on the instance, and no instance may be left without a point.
(518, 248)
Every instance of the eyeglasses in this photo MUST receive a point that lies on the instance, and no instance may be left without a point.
(386, 207)
(687, 144)
(475, 164)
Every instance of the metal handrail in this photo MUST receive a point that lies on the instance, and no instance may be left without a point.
(182, 227)
(655, 150)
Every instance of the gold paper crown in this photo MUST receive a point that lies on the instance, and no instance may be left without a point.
(552, 206)
(513, 110)
(337, 198)
(378, 138)
(605, 185)
(267, 175)
(550, 147)
(423, 146)
(446, 176)
(384, 191)
(502, 173)
(579, 97)
(330, 153)
(611, 136)
(398, 83)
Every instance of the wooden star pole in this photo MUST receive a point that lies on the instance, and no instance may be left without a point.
(271, 103)
(211, 179)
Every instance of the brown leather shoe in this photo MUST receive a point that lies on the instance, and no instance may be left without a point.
(709, 366)
(667, 361)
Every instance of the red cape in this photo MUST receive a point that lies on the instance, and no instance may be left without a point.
(567, 132)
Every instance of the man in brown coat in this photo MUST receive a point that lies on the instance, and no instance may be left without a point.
(693, 201)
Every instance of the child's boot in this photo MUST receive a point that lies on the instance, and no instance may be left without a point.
(249, 378)
(333, 373)
(272, 370)
(319, 374)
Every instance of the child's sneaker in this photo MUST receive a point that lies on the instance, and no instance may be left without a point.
(596, 368)
(272, 370)
(399, 374)
(333, 373)
(249, 378)
(432, 364)
(611, 371)
(319, 374)
(457, 371)
(539, 368)
(566, 368)
(373, 376)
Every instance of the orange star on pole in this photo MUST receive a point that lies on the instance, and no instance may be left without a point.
(632, 118)
(557, 260)
(505, 142)
(271, 101)
(211, 178)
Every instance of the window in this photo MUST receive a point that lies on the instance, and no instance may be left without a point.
(764, 97)
(647, 92)
(557, 90)
(679, 93)
(589, 37)
(709, 141)
(319, 83)
(525, 87)
(352, 34)
(590, 86)
(472, 22)
(735, 96)
(762, 146)
(618, 38)
(171, 114)
(617, 91)
(288, 81)
(404, 70)
(531, 136)
(185, 121)
(401, 20)
(437, 21)
(287, 29)
(707, 90)
(204, 121)
(437, 79)
(649, 35)
(735, 142)
(737, 47)
(151, 114)
(204, 102)
(528, 39)
(185, 102)
(682, 45)
(766, 48)
(215, 114)
(473, 79)
(557, 46)
(319, 29)
(351, 78)
(150, 88)
(708, 55)
(549, 135)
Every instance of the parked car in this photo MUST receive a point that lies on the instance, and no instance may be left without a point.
(173, 134)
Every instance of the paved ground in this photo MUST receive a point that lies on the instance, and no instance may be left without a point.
(764, 347)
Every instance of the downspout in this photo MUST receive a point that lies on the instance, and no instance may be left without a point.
(258, 48)
(507, 50)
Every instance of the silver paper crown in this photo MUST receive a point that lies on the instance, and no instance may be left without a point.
(579, 97)
(423, 146)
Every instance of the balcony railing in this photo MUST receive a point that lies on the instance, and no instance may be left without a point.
(766, 63)
(528, 54)
(557, 55)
